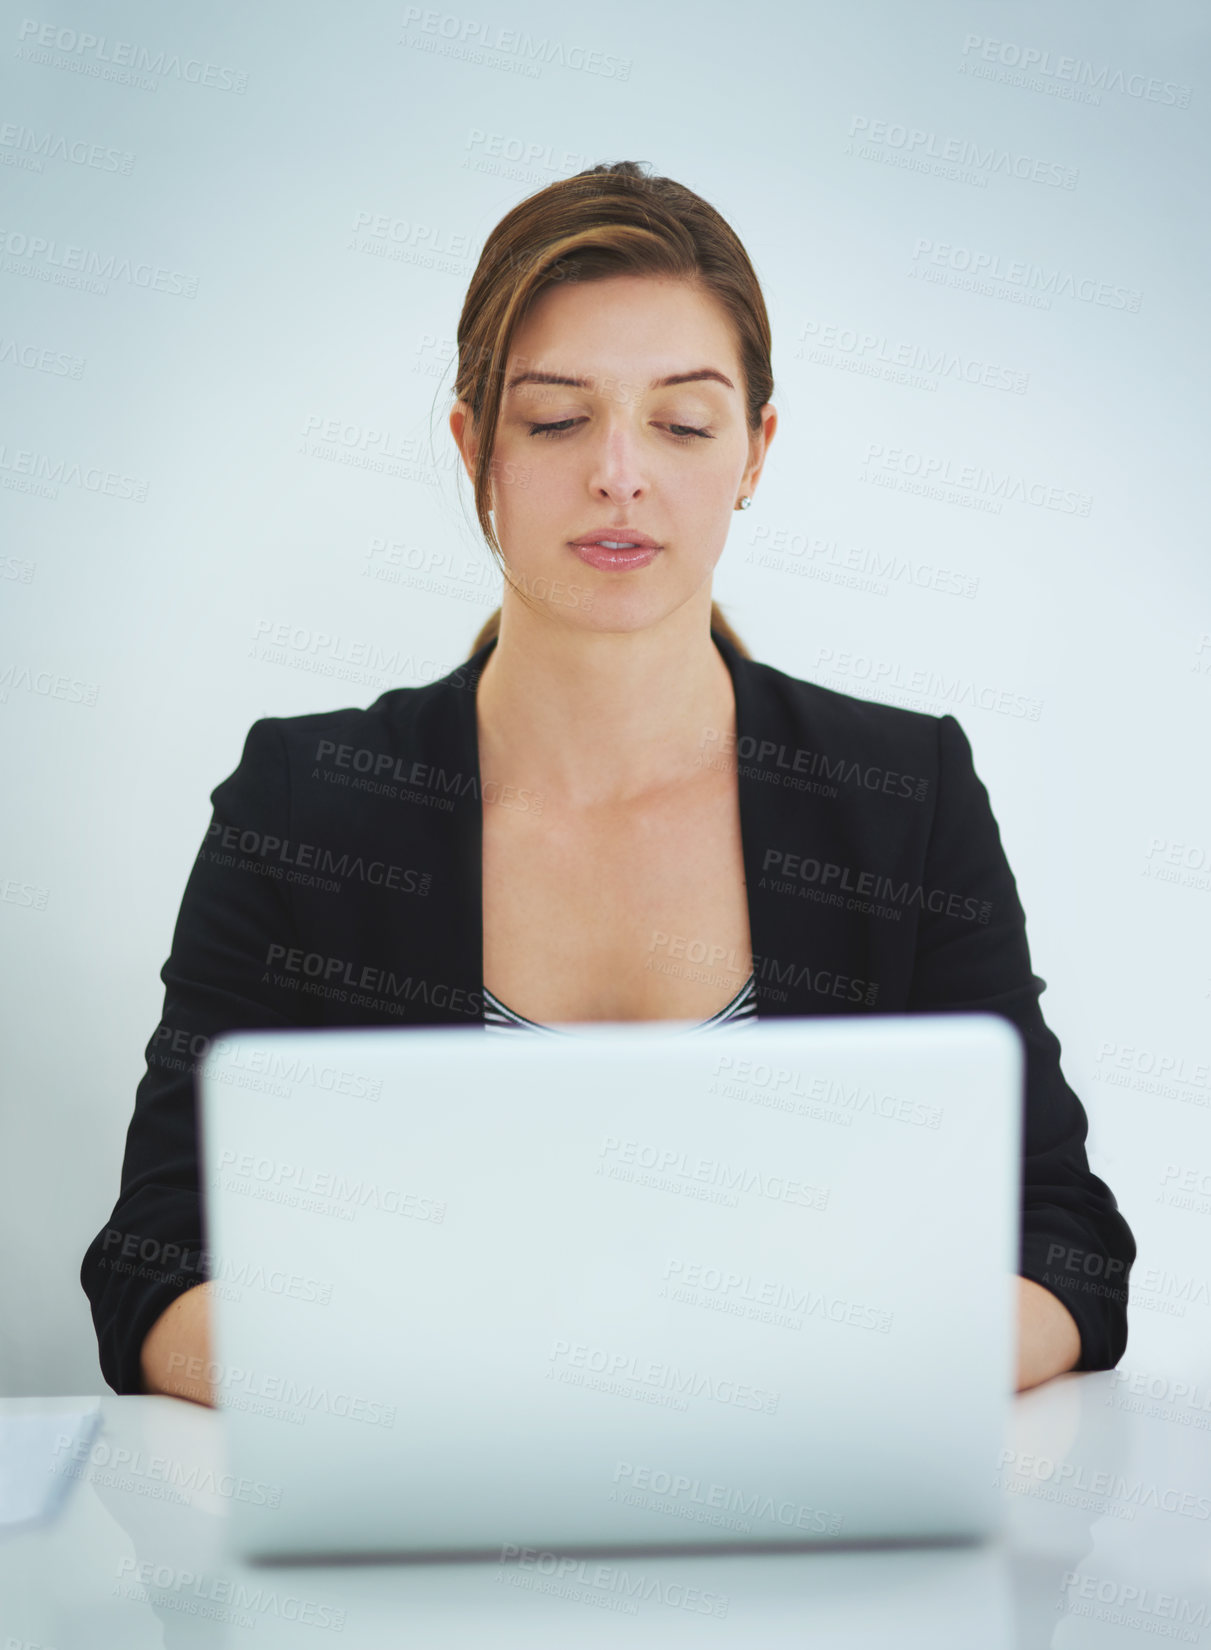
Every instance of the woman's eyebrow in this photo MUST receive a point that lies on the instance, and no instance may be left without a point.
(585, 383)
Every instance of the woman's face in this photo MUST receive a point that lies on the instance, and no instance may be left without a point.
(667, 460)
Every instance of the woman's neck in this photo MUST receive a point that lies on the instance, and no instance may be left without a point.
(596, 717)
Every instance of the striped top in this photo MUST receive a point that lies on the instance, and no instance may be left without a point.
(740, 1012)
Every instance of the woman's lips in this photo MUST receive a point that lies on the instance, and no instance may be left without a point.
(596, 555)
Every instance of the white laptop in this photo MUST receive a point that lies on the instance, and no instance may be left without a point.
(630, 1288)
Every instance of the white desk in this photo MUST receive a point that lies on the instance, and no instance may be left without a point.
(1108, 1543)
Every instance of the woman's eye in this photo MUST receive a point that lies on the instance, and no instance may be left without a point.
(554, 431)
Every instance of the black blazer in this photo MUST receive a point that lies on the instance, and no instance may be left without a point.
(340, 884)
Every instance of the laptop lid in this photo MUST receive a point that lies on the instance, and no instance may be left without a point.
(630, 1288)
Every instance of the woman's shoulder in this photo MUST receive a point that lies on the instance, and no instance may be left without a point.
(836, 700)
(816, 711)
(435, 710)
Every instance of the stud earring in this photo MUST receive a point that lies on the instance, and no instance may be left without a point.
(744, 503)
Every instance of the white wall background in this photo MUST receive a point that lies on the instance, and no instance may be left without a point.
(314, 183)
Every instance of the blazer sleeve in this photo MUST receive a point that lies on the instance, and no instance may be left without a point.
(1074, 1240)
(216, 978)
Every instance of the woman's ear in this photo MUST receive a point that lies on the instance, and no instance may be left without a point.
(462, 428)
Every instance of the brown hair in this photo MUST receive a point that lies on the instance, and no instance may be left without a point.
(610, 220)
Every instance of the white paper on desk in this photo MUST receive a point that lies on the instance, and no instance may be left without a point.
(35, 1451)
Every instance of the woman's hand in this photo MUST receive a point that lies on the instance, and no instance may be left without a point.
(1049, 1342)
(175, 1356)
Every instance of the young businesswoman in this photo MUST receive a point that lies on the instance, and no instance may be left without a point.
(609, 784)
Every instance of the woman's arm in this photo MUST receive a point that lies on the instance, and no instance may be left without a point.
(153, 1247)
(175, 1355)
(1069, 1214)
(1049, 1342)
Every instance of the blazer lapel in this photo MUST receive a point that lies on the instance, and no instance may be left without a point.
(810, 955)
(440, 732)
